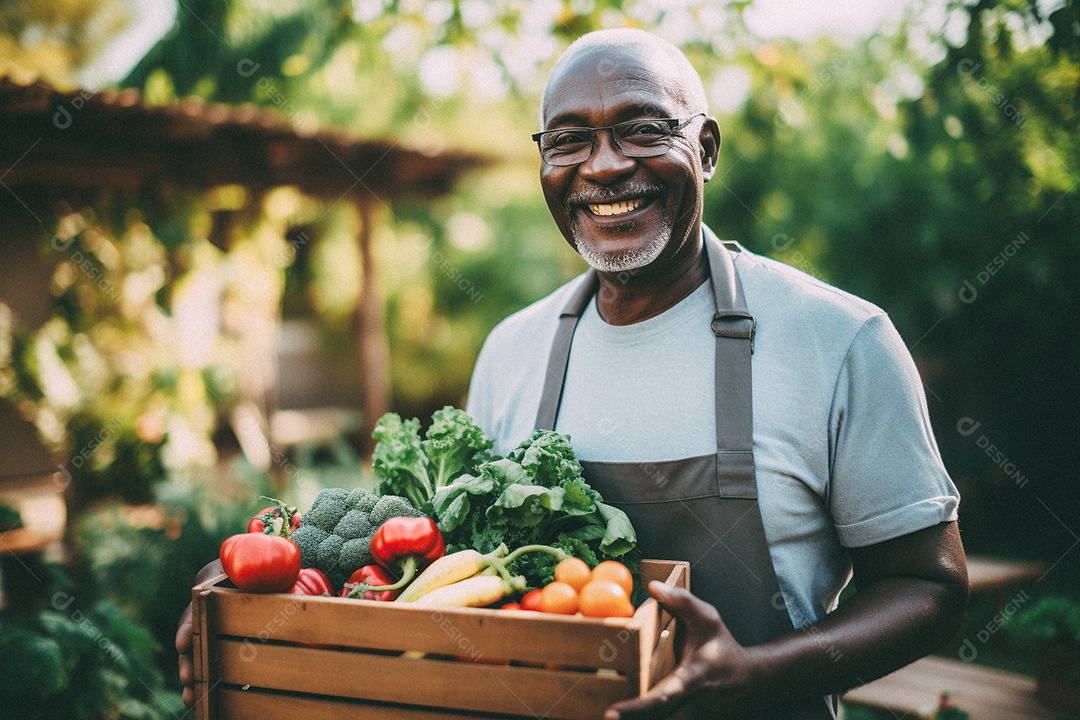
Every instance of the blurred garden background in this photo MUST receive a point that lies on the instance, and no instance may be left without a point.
(237, 231)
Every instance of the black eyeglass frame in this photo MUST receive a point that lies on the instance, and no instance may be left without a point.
(672, 123)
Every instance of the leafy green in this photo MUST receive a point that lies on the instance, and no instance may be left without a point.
(535, 495)
(548, 458)
(418, 468)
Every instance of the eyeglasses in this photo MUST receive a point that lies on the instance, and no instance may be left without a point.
(647, 137)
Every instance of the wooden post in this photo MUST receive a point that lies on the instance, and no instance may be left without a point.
(372, 345)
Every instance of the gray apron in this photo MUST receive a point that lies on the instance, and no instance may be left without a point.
(702, 509)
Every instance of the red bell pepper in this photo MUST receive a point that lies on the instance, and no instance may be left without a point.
(312, 581)
(406, 545)
(261, 563)
(280, 519)
(370, 576)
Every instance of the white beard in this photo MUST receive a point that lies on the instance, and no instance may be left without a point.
(616, 262)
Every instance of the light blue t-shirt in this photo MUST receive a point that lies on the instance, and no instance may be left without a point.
(843, 448)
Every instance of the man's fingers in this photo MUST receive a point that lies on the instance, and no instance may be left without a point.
(699, 616)
(187, 671)
(189, 696)
(183, 632)
(658, 702)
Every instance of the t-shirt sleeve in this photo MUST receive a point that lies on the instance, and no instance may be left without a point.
(886, 475)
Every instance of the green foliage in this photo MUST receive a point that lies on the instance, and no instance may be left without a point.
(946, 194)
(10, 518)
(1052, 620)
(84, 662)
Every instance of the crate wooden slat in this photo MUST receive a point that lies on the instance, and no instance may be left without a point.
(303, 651)
(501, 689)
(252, 704)
(200, 646)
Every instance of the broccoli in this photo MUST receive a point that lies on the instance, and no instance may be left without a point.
(328, 559)
(335, 534)
(307, 538)
(329, 507)
(361, 499)
(391, 506)
(356, 553)
(356, 523)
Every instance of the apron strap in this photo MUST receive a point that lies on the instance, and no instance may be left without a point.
(734, 328)
(555, 377)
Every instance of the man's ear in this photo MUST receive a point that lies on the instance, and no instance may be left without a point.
(710, 146)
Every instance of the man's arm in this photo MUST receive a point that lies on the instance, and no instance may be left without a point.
(912, 593)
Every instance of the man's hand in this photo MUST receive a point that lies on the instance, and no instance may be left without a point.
(183, 637)
(714, 673)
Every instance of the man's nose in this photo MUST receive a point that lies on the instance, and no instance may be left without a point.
(607, 162)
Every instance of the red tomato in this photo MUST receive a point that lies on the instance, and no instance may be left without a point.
(261, 563)
(531, 600)
(312, 581)
(511, 606)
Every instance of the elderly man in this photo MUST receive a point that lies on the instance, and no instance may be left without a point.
(760, 424)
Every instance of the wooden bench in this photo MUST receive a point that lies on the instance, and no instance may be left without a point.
(997, 578)
(983, 692)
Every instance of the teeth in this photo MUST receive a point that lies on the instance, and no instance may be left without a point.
(616, 208)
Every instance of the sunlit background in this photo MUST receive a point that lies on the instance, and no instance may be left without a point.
(235, 233)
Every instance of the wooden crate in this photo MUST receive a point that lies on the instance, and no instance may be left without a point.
(259, 656)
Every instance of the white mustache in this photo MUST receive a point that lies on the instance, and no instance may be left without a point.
(621, 192)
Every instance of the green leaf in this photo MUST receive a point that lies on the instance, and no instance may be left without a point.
(526, 505)
(455, 445)
(548, 457)
(399, 460)
(620, 537)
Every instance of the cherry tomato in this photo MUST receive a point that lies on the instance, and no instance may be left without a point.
(559, 598)
(511, 606)
(531, 600)
(263, 522)
(604, 598)
(616, 571)
(261, 563)
(574, 572)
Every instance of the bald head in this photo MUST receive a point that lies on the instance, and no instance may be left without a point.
(605, 51)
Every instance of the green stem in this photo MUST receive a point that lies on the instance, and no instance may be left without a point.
(501, 564)
(555, 552)
(409, 567)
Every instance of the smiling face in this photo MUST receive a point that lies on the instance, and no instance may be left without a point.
(622, 213)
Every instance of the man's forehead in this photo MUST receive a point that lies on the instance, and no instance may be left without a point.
(633, 74)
